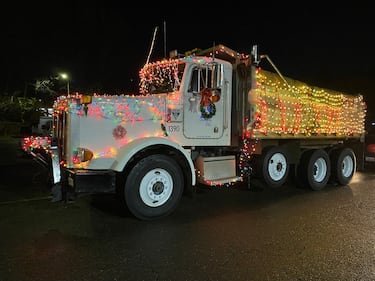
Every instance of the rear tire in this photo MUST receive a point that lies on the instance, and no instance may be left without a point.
(275, 166)
(154, 187)
(314, 169)
(343, 165)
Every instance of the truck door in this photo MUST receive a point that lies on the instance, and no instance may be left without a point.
(204, 104)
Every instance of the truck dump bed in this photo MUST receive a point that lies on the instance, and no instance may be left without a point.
(290, 108)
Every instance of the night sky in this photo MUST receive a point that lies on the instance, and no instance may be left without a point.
(104, 45)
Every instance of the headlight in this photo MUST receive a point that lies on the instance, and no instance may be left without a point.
(82, 155)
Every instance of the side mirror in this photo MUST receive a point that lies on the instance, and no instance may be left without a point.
(255, 55)
(217, 76)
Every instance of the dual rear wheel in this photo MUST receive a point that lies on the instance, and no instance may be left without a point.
(315, 169)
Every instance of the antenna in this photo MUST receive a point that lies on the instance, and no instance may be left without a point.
(152, 44)
(213, 52)
(165, 39)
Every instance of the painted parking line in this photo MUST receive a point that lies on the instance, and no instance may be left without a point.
(26, 200)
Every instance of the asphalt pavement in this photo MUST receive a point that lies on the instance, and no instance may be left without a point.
(220, 234)
(22, 178)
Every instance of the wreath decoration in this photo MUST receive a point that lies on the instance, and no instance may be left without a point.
(207, 107)
(208, 111)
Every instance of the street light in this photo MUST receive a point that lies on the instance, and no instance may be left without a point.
(66, 77)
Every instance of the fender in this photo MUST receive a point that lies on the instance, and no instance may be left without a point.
(132, 148)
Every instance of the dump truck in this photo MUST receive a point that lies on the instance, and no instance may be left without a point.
(212, 117)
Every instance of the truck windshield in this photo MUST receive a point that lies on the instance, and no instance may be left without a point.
(161, 77)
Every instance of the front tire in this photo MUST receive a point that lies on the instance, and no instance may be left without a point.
(154, 187)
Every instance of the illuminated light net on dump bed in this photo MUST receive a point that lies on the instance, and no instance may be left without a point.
(297, 109)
